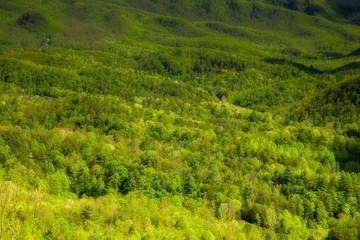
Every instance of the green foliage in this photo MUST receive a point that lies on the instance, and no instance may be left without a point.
(178, 27)
(88, 213)
(186, 119)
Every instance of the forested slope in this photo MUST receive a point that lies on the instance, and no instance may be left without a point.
(179, 120)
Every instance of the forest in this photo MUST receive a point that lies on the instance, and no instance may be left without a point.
(179, 119)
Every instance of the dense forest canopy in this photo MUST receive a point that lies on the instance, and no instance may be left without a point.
(178, 119)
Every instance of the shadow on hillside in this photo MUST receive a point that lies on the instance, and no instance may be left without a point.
(301, 67)
(348, 154)
(310, 69)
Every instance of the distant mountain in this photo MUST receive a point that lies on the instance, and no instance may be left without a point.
(235, 9)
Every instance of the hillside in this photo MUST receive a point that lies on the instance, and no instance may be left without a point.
(179, 119)
(339, 102)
